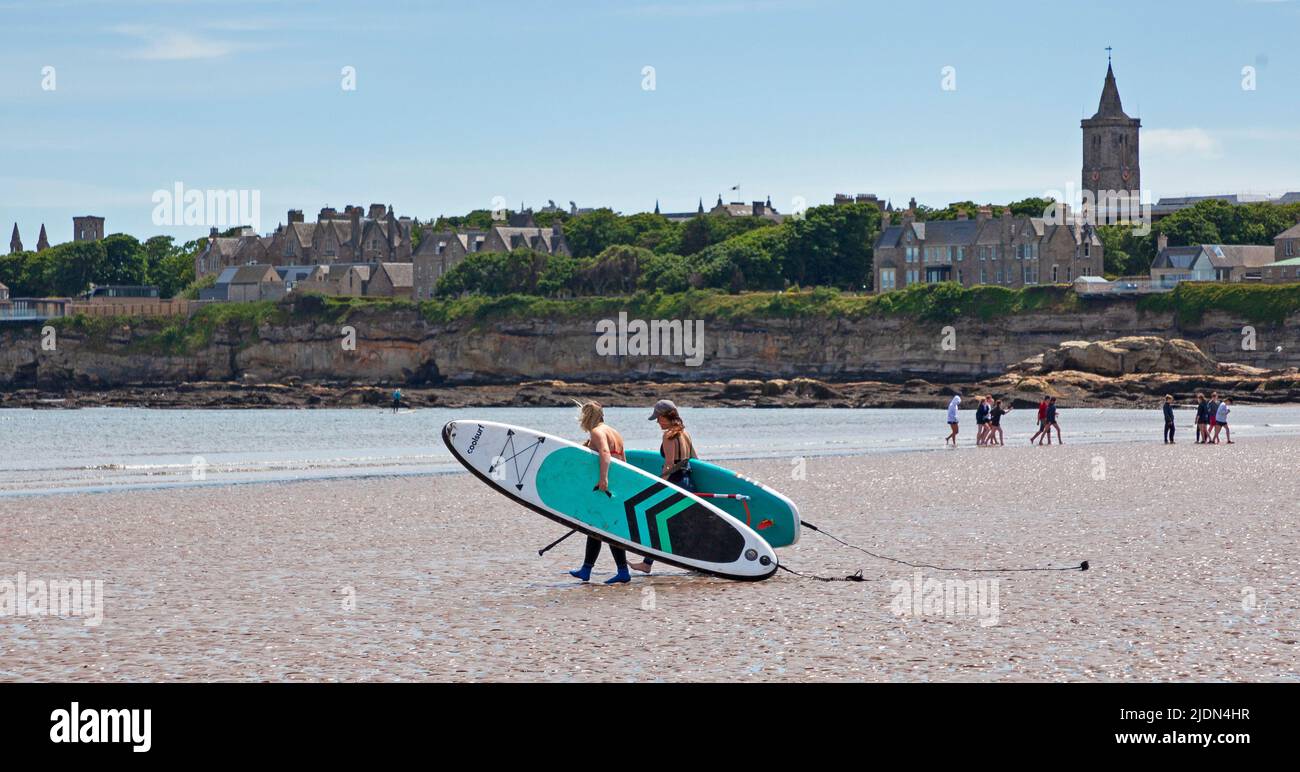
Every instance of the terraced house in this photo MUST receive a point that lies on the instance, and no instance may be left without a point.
(1009, 251)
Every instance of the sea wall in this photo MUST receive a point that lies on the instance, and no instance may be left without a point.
(397, 344)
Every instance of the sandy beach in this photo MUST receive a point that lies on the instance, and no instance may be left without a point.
(1192, 549)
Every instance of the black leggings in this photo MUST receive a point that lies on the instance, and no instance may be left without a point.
(682, 479)
(1169, 432)
(593, 552)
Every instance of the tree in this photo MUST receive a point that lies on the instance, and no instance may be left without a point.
(591, 233)
(73, 266)
(125, 261)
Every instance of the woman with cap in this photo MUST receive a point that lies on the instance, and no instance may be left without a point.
(677, 451)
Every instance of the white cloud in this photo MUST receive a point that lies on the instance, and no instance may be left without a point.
(161, 44)
(1186, 143)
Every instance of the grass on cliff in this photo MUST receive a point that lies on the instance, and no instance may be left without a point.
(1260, 303)
(171, 335)
(932, 302)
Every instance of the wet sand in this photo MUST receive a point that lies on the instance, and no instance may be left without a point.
(1193, 552)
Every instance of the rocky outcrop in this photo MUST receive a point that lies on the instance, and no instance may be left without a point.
(1123, 356)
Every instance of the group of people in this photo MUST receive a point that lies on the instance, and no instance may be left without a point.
(677, 450)
(1211, 419)
(988, 421)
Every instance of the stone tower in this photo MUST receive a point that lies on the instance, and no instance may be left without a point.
(42, 241)
(88, 228)
(15, 243)
(1110, 146)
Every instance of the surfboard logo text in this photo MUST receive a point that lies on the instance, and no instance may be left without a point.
(473, 443)
(655, 337)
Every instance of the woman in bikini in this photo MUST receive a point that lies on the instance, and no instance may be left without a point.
(677, 450)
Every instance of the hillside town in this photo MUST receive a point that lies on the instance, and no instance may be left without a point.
(373, 252)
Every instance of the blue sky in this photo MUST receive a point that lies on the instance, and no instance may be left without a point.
(458, 103)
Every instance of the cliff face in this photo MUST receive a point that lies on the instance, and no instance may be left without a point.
(402, 347)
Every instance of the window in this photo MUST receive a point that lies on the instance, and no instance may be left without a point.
(961, 255)
(1030, 273)
(1086, 253)
(1053, 274)
(886, 279)
(913, 276)
(952, 254)
(911, 254)
(984, 277)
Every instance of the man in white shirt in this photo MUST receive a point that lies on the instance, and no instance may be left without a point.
(952, 420)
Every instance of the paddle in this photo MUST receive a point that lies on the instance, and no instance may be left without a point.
(547, 548)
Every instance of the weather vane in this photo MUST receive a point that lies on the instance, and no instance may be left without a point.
(1107, 54)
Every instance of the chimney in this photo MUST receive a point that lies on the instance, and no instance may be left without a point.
(376, 212)
(1162, 243)
(355, 218)
(212, 232)
(961, 215)
(295, 215)
(985, 213)
(327, 213)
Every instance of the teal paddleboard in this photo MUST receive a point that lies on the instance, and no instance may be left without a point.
(770, 514)
(640, 512)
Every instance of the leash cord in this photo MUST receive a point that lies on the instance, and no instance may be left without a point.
(1083, 566)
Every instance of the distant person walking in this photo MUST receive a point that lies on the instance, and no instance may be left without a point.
(981, 420)
(1212, 417)
(1169, 419)
(953, 404)
(397, 399)
(1050, 424)
(995, 423)
(1221, 419)
(1042, 419)
(1202, 419)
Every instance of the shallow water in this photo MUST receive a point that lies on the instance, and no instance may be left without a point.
(96, 449)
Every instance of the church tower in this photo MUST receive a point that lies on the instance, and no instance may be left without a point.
(1110, 146)
(15, 242)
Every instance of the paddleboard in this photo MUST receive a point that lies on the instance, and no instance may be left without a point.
(768, 512)
(642, 513)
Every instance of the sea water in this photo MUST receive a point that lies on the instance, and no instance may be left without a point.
(105, 449)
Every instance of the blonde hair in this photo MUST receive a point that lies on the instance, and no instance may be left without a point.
(590, 415)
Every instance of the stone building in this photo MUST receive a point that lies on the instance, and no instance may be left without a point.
(1110, 149)
(762, 209)
(42, 241)
(88, 228)
(353, 236)
(1009, 251)
(15, 241)
(1209, 262)
(440, 252)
